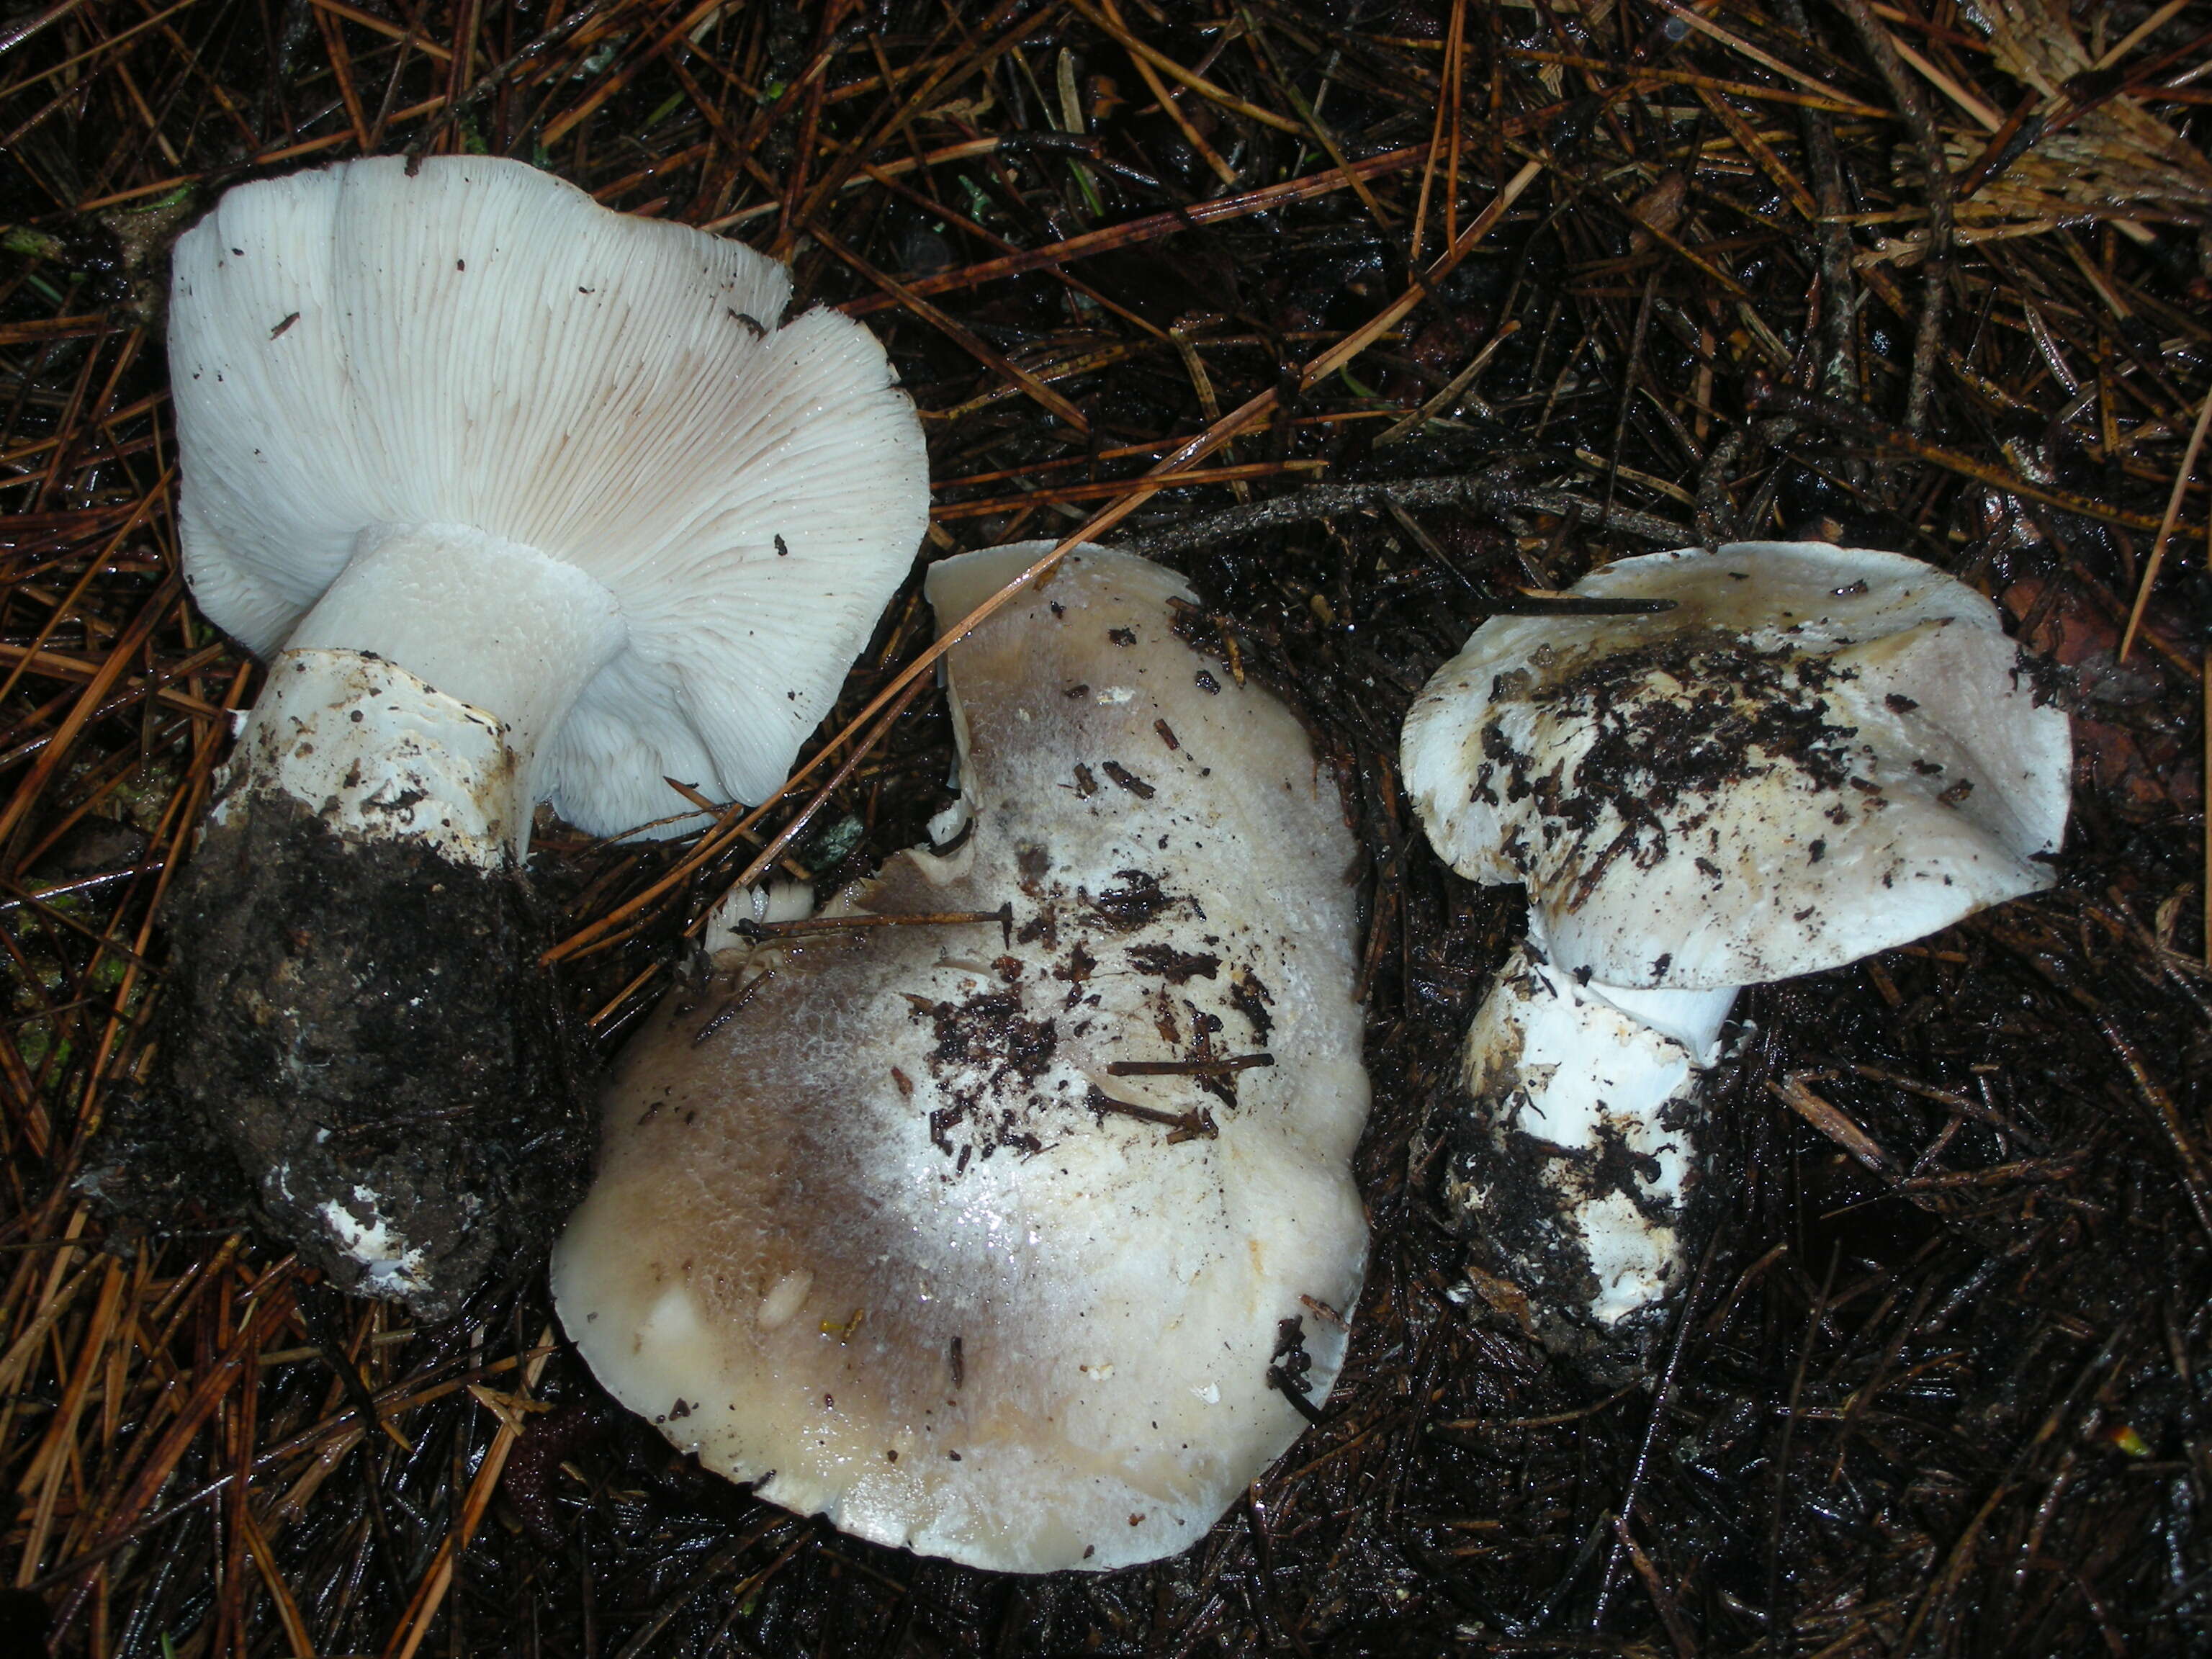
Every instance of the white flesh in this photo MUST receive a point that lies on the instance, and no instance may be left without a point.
(499, 627)
(1691, 1019)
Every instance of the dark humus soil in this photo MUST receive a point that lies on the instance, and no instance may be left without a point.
(364, 1025)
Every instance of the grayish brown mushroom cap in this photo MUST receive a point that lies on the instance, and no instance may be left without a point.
(898, 1234)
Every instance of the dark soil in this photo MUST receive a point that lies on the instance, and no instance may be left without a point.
(365, 1023)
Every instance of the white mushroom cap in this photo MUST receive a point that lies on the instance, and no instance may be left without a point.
(869, 1238)
(1819, 753)
(479, 354)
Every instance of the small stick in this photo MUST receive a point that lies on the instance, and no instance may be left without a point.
(1187, 1067)
(735, 1006)
(2165, 525)
(81, 885)
(1530, 602)
(1004, 915)
(623, 995)
(1826, 101)
(1104, 488)
(1148, 228)
(1296, 1393)
(1197, 1124)
(2005, 147)
(1480, 492)
(1550, 1419)
(1831, 1122)
(1685, 1645)
(2193, 1180)
(1767, 60)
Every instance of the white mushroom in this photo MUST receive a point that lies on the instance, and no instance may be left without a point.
(1012, 1243)
(524, 500)
(1798, 754)
(569, 467)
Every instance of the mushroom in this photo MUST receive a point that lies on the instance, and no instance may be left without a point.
(524, 499)
(1022, 1237)
(1772, 759)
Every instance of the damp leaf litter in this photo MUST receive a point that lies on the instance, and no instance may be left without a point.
(1932, 1381)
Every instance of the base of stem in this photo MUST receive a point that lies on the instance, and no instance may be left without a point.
(361, 1022)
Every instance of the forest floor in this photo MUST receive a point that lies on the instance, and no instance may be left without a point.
(1463, 300)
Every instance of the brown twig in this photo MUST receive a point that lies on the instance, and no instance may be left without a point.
(1219, 1067)
(1004, 916)
(1196, 1124)
(2165, 525)
(1935, 290)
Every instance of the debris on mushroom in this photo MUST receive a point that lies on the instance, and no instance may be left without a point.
(523, 499)
(1781, 757)
(1021, 1236)
(1579, 1158)
(777, 899)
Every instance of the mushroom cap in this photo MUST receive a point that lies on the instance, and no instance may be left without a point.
(1819, 753)
(867, 1239)
(480, 344)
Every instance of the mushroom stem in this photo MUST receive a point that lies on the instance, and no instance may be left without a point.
(482, 628)
(1581, 1152)
(358, 983)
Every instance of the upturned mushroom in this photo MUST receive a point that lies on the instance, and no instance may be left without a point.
(1780, 757)
(1021, 1236)
(523, 499)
